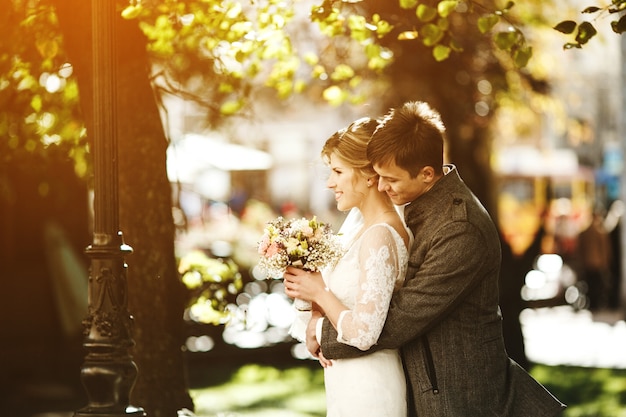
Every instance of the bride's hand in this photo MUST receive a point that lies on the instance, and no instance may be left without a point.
(302, 284)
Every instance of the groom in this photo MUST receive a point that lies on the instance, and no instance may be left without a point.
(445, 319)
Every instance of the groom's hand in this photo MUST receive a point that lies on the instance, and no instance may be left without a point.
(312, 343)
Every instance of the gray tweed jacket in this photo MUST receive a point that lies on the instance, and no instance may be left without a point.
(446, 320)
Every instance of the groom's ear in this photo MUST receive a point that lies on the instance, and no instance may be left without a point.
(428, 174)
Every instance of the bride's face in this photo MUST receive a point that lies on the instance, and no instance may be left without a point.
(348, 186)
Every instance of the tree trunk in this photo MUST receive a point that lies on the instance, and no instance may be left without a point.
(155, 292)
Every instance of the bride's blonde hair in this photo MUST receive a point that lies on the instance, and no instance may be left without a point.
(350, 144)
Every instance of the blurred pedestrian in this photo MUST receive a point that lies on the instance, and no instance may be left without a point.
(594, 257)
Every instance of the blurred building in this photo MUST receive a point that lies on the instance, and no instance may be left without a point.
(561, 158)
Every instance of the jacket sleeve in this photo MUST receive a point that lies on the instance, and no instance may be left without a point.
(443, 269)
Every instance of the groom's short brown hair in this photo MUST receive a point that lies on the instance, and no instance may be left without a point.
(412, 136)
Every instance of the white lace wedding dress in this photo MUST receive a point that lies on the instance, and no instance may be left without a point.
(364, 279)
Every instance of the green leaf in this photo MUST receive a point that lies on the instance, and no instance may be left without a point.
(382, 26)
(456, 46)
(359, 30)
(408, 35)
(441, 52)
(505, 40)
(284, 88)
(408, 4)
(586, 31)
(334, 95)
(48, 48)
(36, 103)
(318, 72)
(445, 7)
(131, 12)
(321, 13)
(311, 58)
(299, 86)
(566, 26)
(231, 107)
(443, 23)
(355, 81)
(224, 87)
(342, 72)
(591, 9)
(487, 22)
(425, 13)
(431, 34)
(522, 56)
(379, 57)
(378, 63)
(619, 26)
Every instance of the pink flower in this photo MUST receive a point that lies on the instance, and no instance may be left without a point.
(264, 244)
(272, 250)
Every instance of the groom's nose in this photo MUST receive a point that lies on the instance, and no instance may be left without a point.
(382, 185)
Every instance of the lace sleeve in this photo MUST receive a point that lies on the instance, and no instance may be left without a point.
(379, 267)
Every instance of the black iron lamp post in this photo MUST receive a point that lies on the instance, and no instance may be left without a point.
(108, 372)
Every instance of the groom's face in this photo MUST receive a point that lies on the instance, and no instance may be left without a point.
(398, 183)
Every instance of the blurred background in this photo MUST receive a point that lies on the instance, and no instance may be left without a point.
(224, 108)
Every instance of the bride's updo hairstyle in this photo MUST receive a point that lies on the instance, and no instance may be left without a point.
(350, 144)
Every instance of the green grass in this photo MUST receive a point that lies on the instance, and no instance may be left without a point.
(588, 392)
(266, 391)
(260, 390)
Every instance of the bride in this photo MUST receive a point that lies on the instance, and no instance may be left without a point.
(354, 296)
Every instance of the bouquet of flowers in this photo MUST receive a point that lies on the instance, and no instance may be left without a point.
(304, 243)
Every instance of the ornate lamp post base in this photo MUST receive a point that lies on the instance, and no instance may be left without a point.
(108, 372)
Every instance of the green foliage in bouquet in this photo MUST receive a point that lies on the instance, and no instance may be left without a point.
(210, 282)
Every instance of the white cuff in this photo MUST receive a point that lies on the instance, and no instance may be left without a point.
(340, 338)
(318, 330)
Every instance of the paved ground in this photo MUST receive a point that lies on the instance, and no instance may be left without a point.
(562, 336)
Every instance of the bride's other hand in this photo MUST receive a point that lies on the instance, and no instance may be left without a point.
(303, 284)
